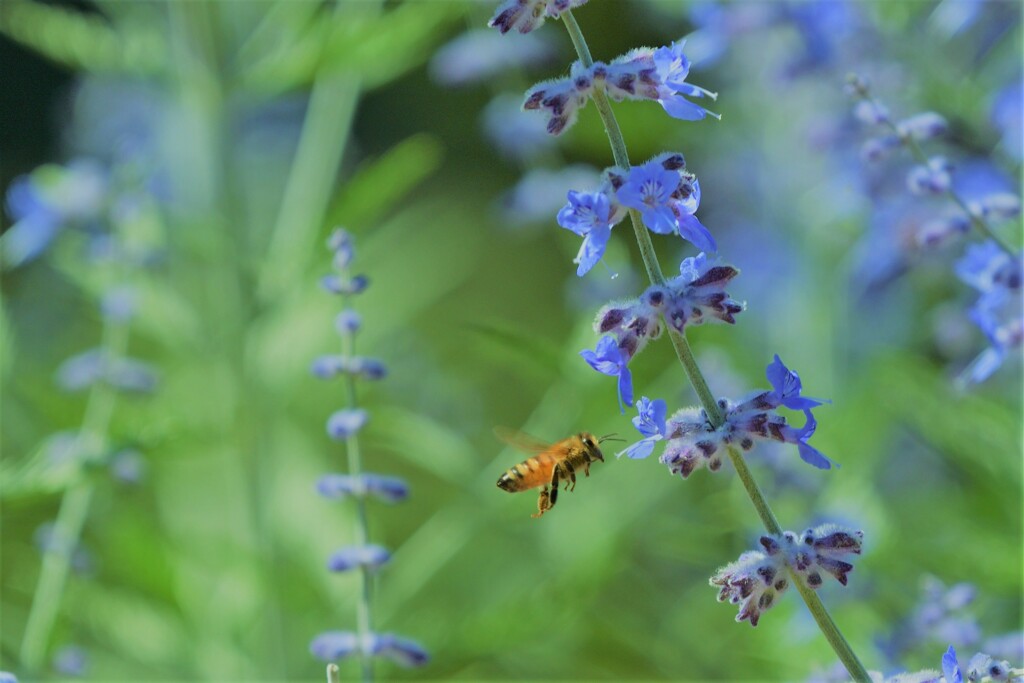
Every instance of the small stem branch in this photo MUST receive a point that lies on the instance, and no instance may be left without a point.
(333, 673)
(907, 140)
(696, 377)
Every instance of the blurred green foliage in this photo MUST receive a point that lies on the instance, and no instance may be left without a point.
(213, 567)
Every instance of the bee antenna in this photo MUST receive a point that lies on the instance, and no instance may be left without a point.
(610, 437)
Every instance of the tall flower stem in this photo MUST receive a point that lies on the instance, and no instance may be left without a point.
(355, 468)
(696, 377)
(74, 509)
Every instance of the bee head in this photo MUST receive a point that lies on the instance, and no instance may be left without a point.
(590, 442)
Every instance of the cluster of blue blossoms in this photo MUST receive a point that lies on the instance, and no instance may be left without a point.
(344, 425)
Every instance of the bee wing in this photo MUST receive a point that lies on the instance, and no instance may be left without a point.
(522, 441)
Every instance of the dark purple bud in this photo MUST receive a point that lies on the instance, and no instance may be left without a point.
(672, 161)
(814, 580)
(612, 318)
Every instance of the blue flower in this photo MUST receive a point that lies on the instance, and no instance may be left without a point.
(351, 557)
(787, 387)
(8, 677)
(650, 421)
(672, 68)
(951, 667)
(346, 422)
(808, 453)
(588, 215)
(649, 189)
(608, 359)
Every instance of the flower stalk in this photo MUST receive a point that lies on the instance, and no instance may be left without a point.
(696, 377)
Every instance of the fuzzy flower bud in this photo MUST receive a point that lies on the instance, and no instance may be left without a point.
(758, 577)
(561, 99)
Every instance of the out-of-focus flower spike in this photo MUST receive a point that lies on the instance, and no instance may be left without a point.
(389, 489)
(8, 677)
(340, 242)
(933, 178)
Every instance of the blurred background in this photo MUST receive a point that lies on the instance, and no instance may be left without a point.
(185, 161)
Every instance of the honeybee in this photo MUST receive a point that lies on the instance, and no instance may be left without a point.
(552, 465)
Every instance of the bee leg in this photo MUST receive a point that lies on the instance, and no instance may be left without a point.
(543, 503)
(555, 480)
(571, 471)
(586, 468)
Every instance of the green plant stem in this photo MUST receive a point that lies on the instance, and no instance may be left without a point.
(333, 673)
(74, 509)
(696, 377)
(355, 469)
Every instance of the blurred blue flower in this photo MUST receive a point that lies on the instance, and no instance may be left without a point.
(336, 645)
(337, 284)
(8, 677)
(128, 466)
(71, 660)
(608, 359)
(344, 423)
(95, 365)
(370, 557)
(46, 201)
(119, 304)
(347, 322)
(478, 55)
(515, 133)
(389, 489)
(541, 192)
(1008, 118)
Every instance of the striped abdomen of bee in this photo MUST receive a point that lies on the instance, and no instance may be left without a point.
(553, 465)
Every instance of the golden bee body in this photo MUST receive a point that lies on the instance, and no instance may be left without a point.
(553, 465)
